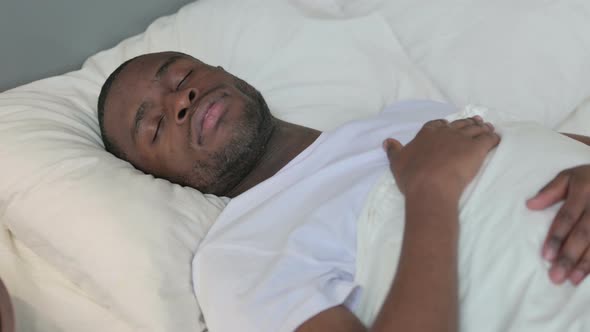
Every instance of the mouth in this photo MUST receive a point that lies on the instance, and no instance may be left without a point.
(207, 115)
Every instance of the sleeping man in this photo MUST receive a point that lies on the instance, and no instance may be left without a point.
(400, 222)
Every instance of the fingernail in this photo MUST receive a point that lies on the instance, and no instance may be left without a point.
(557, 274)
(478, 118)
(385, 143)
(577, 277)
(549, 253)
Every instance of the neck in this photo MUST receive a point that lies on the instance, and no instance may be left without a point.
(286, 142)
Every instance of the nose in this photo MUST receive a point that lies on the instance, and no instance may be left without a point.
(180, 102)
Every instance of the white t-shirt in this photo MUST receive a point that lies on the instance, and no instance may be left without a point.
(285, 250)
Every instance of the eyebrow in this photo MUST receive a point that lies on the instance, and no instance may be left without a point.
(166, 65)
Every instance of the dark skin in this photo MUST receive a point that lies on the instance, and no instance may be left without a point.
(200, 126)
(171, 138)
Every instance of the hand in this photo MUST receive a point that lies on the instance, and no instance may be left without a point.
(443, 158)
(567, 244)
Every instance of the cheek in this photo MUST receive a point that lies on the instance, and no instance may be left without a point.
(176, 157)
(179, 157)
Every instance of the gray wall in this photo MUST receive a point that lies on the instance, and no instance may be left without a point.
(41, 38)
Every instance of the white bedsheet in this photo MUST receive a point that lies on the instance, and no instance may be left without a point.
(46, 300)
(529, 58)
(503, 284)
(579, 121)
(123, 239)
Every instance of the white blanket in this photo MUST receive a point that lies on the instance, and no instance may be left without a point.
(503, 281)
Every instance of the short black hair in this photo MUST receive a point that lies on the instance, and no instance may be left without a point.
(109, 145)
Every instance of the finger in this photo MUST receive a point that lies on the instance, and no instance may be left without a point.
(582, 269)
(566, 218)
(461, 123)
(553, 192)
(557, 272)
(478, 119)
(574, 247)
(392, 147)
(436, 123)
(489, 139)
(475, 130)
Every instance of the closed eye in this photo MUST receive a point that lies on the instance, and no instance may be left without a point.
(158, 129)
(184, 79)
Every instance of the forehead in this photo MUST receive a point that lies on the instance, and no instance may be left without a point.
(137, 76)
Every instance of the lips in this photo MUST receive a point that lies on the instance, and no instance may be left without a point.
(213, 114)
(207, 115)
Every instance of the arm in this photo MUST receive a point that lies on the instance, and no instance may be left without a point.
(579, 138)
(432, 172)
(423, 296)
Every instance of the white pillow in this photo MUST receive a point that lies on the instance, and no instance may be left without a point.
(127, 239)
(529, 58)
(44, 300)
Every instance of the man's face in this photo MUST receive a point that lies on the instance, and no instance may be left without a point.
(178, 118)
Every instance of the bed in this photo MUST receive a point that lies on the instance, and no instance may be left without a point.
(88, 243)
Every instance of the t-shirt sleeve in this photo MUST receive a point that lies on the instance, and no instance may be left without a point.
(242, 290)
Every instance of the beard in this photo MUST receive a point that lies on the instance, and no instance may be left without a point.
(225, 169)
